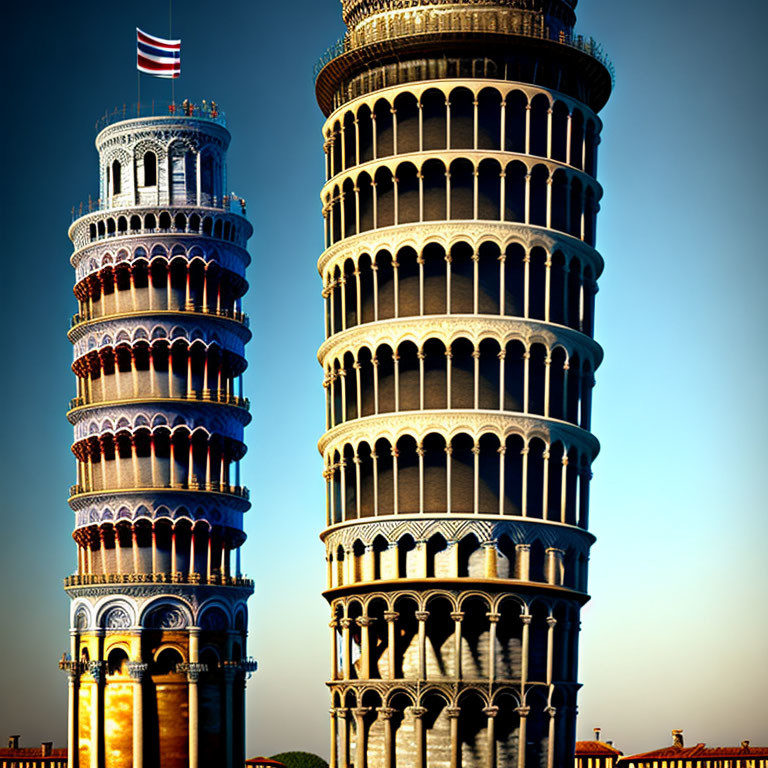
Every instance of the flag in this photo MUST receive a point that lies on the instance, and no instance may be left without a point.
(158, 57)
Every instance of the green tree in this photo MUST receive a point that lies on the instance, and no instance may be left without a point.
(300, 760)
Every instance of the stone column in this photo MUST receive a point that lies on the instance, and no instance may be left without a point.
(96, 669)
(551, 624)
(137, 670)
(334, 651)
(457, 617)
(551, 711)
(342, 714)
(491, 713)
(453, 717)
(386, 713)
(229, 678)
(364, 622)
(493, 619)
(361, 740)
(334, 745)
(523, 712)
(345, 654)
(526, 621)
(418, 729)
(390, 617)
(421, 617)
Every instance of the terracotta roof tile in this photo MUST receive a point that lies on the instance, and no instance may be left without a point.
(596, 748)
(700, 751)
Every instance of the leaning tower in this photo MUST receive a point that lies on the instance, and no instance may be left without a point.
(157, 663)
(459, 277)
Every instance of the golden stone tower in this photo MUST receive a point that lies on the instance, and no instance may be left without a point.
(459, 278)
(157, 664)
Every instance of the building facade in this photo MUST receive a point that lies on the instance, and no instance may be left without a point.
(459, 277)
(157, 663)
(699, 756)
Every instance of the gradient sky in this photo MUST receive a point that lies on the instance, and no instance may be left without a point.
(676, 634)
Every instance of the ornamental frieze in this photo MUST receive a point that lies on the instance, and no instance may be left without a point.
(447, 234)
(107, 419)
(449, 424)
(150, 328)
(503, 88)
(423, 528)
(92, 256)
(224, 510)
(449, 328)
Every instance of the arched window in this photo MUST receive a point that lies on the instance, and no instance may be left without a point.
(116, 177)
(150, 169)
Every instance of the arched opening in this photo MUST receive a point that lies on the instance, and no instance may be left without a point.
(407, 193)
(462, 181)
(382, 112)
(433, 112)
(117, 181)
(488, 274)
(435, 282)
(488, 475)
(408, 376)
(538, 205)
(407, 476)
(489, 190)
(462, 279)
(385, 198)
(435, 476)
(433, 185)
(462, 461)
(462, 119)
(514, 123)
(407, 117)
(489, 119)
(150, 169)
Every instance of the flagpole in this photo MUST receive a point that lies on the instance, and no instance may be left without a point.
(138, 93)
(170, 37)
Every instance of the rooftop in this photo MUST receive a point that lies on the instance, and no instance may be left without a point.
(700, 752)
(205, 110)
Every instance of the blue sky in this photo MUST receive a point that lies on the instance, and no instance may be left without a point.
(676, 633)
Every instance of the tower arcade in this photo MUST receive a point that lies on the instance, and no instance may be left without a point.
(459, 277)
(158, 661)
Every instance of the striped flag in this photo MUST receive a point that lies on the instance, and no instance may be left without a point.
(158, 57)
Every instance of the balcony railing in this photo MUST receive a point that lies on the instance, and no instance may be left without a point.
(227, 203)
(231, 490)
(215, 579)
(206, 110)
(204, 396)
(488, 21)
(231, 314)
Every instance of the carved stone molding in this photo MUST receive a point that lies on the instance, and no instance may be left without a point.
(449, 328)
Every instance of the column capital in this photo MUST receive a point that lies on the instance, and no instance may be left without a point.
(491, 711)
(137, 670)
(341, 712)
(493, 618)
(418, 711)
(523, 711)
(525, 618)
(192, 670)
(96, 670)
(453, 712)
(551, 621)
(421, 615)
(386, 713)
(365, 621)
(551, 711)
(361, 711)
(457, 615)
(391, 615)
(345, 623)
